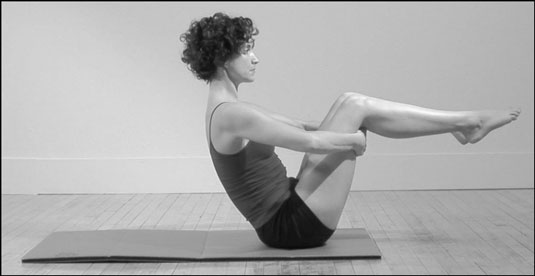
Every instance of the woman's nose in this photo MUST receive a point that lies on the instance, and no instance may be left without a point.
(255, 59)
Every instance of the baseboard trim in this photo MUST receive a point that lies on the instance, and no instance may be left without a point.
(195, 174)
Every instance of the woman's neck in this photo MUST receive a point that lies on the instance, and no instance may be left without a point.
(223, 89)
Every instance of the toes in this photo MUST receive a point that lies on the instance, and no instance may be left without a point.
(515, 110)
(514, 114)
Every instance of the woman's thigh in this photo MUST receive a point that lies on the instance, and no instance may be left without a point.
(325, 179)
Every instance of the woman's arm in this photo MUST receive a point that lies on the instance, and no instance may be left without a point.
(306, 125)
(243, 121)
(311, 125)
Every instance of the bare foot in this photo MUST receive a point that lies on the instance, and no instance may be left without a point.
(487, 121)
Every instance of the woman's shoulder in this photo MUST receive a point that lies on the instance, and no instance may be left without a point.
(234, 109)
(221, 117)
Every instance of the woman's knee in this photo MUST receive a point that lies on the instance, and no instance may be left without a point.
(344, 96)
(354, 101)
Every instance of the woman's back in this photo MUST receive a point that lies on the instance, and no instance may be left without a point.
(254, 177)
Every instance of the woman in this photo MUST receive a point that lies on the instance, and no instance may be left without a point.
(304, 211)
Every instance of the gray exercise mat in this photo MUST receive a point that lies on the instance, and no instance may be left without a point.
(180, 245)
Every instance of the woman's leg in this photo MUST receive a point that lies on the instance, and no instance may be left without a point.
(326, 120)
(398, 120)
(328, 177)
(325, 179)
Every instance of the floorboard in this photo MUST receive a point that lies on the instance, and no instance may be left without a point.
(418, 232)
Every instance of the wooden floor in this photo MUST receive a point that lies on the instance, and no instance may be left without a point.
(418, 232)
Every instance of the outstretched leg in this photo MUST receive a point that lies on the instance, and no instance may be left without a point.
(325, 179)
(398, 120)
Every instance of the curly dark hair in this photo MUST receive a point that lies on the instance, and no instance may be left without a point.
(213, 40)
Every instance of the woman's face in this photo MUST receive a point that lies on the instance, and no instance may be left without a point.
(241, 68)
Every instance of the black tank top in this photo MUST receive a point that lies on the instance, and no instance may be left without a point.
(254, 178)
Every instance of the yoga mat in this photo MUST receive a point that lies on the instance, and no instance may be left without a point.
(179, 245)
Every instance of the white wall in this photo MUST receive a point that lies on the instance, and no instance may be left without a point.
(95, 98)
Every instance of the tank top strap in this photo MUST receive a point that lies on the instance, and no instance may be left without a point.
(210, 126)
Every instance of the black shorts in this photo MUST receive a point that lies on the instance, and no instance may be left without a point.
(294, 225)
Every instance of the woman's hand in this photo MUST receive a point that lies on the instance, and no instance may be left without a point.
(359, 147)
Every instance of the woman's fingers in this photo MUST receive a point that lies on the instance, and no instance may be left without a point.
(360, 146)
